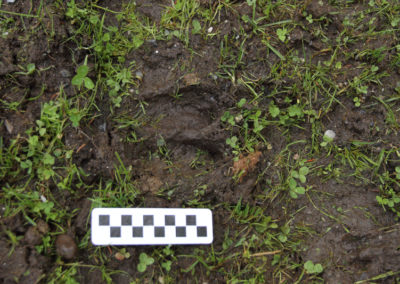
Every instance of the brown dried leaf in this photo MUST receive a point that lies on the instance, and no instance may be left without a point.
(245, 164)
(119, 256)
(191, 79)
(8, 126)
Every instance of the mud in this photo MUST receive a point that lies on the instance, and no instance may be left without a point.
(355, 239)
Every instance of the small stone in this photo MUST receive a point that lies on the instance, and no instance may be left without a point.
(139, 75)
(43, 198)
(103, 127)
(32, 236)
(210, 29)
(66, 247)
(238, 118)
(330, 134)
(65, 73)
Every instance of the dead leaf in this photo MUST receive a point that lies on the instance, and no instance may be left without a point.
(191, 79)
(245, 164)
(8, 126)
(151, 183)
(119, 256)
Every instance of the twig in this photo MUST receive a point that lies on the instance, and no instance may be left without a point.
(265, 253)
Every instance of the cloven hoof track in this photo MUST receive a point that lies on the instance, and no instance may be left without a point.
(193, 119)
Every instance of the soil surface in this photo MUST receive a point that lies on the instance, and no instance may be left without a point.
(345, 229)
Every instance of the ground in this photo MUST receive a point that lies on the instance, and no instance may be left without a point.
(223, 105)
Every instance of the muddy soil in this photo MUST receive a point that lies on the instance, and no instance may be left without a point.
(353, 237)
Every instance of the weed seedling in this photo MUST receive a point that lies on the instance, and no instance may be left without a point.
(144, 261)
(312, 268)
(295, 176)
(30, 68)
(81, 77)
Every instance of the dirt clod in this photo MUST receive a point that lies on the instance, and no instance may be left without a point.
(66, 247)
(42, 227)
(32, 236)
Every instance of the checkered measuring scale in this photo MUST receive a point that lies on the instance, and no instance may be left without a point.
(151, 226)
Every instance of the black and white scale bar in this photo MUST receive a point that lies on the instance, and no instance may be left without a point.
(151, 226)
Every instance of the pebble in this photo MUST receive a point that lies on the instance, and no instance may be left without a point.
(239, 118)
(330, 134)
(103, 127)
(65, 73)
(66, 247)
(139, 75)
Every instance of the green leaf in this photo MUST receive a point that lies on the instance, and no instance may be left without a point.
(94, 19)
(295, 110)
(245, 18)
(232, 141)
(26, 164)
(293, 194)
(196, 27)
(300, 190)
(282, 238)
(82, 71)
(273, 226)
(77, 81)
(150, 260)
(106, 37)
(30, 68)
(75, 116)
(137, 42)
(241, 102)
(304, 171)
(88, 83)
(45, 174)
(295, 174)
(48, 159)
(167, 265)
(141, 267)
(309, 266)
(302, 178)
(144, 258)
(318, 268)
(42, 131)
(274, 110)
(292, 183)
(282, 34)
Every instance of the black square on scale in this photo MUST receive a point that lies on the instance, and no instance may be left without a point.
(181, 231)
(202, 231)
(159, 232)
(148, 220)
(126, 220)
(104, 220)
(137, 232)
(115, 232)
(191, 220)
(169, 220)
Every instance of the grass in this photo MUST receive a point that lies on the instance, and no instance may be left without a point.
(282, 92)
